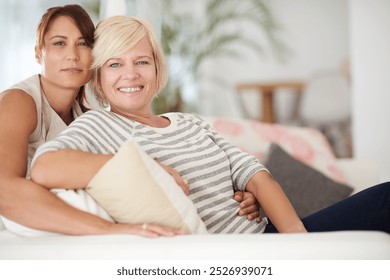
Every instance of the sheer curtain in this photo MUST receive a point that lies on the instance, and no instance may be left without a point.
(19, 19)
(18, 23)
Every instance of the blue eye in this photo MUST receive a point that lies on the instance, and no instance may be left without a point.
(115, 65)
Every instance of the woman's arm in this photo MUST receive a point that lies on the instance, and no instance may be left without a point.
(274, 203)
(55, 169)
(28, 203)
(68, 169)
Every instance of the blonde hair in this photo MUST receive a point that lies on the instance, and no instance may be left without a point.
(115, 36)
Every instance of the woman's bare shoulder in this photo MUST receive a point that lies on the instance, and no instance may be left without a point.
(17, 96)
(18, 107)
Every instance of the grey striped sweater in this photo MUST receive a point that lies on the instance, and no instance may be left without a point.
(213, 168)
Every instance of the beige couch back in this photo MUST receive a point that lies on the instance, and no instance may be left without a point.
(2, 227)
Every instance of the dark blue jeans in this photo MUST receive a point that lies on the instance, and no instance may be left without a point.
(366, 210)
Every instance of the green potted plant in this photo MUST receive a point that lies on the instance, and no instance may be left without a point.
(189, 40)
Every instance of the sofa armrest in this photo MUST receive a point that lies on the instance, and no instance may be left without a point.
(359, 174)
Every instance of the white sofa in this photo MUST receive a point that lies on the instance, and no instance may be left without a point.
(244, 133)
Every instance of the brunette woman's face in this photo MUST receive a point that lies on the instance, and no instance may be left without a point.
(65, 56)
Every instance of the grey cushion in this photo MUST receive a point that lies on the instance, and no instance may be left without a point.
(308, 189)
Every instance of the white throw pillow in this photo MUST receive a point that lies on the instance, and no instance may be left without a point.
(2, 227)
(79, 199)
(134, 188)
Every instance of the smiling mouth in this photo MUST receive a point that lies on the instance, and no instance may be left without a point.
(130, 89)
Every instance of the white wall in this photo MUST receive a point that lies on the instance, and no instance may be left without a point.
(317, 33)
(370, 61)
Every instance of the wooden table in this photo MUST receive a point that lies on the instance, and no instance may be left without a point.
(267, 91)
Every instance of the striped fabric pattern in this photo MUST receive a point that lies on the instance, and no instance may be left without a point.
(213, 168)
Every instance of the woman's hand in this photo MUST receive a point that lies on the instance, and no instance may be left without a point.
(146, 230)
(248, 205)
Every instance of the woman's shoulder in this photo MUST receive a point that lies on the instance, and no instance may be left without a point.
(24, 92)
(98, 116)
(185, 116)
(96, 112)
(17, 98)
(188, 119)
(30, 85)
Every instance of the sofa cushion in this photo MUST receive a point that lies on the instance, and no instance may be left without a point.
(306, 144)
(308, 189)
(133, 188)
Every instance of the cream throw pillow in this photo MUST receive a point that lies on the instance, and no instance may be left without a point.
(133, 188)
(79, 199)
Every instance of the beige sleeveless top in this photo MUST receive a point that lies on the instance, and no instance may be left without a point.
(49, 123)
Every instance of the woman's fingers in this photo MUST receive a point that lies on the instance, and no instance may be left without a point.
(154, 230)
(248, 205)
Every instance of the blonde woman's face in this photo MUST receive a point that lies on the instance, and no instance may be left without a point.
(129, 81)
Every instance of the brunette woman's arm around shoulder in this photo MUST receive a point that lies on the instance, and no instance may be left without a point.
(275, 203)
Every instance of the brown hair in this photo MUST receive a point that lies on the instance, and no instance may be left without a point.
(84, 23)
